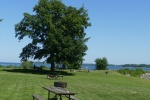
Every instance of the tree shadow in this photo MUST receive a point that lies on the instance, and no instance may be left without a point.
(39, 72)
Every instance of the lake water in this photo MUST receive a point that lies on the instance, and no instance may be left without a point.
(85, 66)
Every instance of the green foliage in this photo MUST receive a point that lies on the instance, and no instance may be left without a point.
(9, 66)
(101, 64)
(26, 64)
(44, 67)
(124, 71)
(135, 65)
(1, 66)
(57, 32)
(139, 72)
(136, 73)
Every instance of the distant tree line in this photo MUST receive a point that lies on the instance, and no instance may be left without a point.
(135, 65)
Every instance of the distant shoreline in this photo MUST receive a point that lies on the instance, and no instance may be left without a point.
(84, 66)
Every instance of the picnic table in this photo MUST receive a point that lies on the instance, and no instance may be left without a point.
(54, 75)
(58, 91)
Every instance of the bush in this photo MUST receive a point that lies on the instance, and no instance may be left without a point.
(139, 71)
(9, 66)
(44, 67)
(26, 64)
(1, 66)
(136, 73)
(124, 71)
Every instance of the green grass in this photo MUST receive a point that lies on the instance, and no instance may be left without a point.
(95, 85)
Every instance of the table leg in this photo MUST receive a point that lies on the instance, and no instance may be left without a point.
(69, 98)
(48, 95)
(60, 97)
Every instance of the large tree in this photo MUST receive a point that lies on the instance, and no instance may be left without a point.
(57, 32)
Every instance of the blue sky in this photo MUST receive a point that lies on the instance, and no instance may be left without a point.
(120, 29)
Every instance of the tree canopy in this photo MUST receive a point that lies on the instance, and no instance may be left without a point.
(101, 63)
(57, 32)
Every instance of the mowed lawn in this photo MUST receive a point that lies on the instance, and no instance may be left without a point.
(95, 85)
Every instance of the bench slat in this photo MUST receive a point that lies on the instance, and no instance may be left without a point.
(72, 97)
(37, 97)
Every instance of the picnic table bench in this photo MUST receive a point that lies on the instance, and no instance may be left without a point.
(37, 97)
(72, 97)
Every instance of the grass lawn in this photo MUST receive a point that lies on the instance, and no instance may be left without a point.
(95, 85)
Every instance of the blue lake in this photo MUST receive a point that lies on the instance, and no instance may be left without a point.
(85, 66)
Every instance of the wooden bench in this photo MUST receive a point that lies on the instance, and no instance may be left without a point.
(72, 97)
(37, 97)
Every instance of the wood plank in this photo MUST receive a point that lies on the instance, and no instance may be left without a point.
(37, 97)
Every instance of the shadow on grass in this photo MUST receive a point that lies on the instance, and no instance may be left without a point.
(41, 72)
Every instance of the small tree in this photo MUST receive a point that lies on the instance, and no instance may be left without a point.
(101, 64)
(26, 64)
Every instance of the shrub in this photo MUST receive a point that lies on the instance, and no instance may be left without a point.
(139, 71)
(124, 71)
(44, 67)
(136, 73)
(9, 66)
(26, 64)
(1, 66)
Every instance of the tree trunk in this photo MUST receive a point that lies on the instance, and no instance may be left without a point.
(52, 66)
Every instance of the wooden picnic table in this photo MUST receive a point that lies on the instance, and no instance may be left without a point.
(58, 91)
(54, 75)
